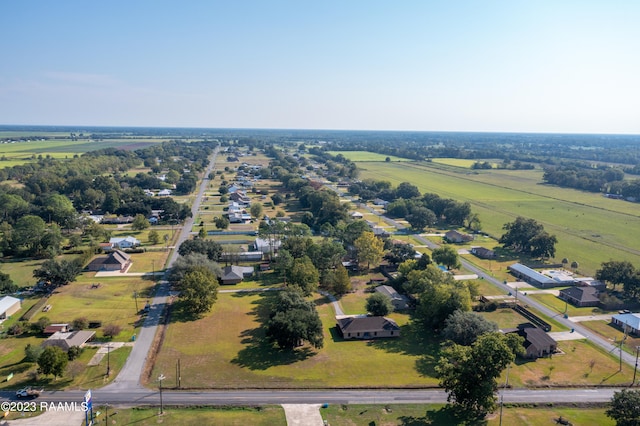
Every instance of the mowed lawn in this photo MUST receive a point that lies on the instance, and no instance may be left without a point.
(227, 349)
(590, 228)
(111, 302)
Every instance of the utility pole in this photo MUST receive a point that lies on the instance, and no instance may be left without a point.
(160, 379)
(506, 383)
(635, 370)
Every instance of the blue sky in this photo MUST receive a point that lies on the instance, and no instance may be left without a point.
(511, 65)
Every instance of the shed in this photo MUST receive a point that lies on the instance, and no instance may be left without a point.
(8, 306)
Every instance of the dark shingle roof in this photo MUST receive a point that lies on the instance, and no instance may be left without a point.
(363, 324)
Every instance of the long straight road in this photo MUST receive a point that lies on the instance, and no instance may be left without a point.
(593, 337)
(130, 375)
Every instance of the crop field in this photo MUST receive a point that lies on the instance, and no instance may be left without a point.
(590, 229)
(23, 152)
(357, 156)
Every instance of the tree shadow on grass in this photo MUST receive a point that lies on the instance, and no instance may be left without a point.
(447, 415)
(416, 341)
(259, 353)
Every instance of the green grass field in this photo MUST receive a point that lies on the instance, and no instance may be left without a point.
(424, 415)
(357, 156)
(590, 229)
(227, 349)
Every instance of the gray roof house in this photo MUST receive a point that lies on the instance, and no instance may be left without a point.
(627, 322)
(235, 274)
(398, 300)
(454, 236)
(537, 343)
(580, 296)
(358, 327)
(67, 340)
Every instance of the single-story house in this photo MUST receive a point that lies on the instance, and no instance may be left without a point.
(235, 274)
(357, 215)
(267, 246)
(537, 343)
(54, 328)
(359, 327)
(240, 198)
(627, 322)
(116, 220)
(124, 242)
(164, 193)
(454, 236)
(380, 202)
(70, 339)
(580, 296)
(483, 252)
(9, 305)
(534, 277)
(398, 300)
(114, 261)
(243, 256)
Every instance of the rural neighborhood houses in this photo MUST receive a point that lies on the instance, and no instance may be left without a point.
(115, 261)
(67, 340)
(124, 242)
(364, 327)
(454, 236)
(398, 300)
(235, 274)
(8, 306)
(537, 343)
(628, 322)
(580, 296)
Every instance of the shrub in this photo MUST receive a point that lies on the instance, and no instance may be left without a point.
(80, 323)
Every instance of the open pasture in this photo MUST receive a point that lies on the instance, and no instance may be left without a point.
(227, 349)
(590, 228)
(357, 156)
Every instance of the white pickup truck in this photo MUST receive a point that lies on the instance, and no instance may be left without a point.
(28, 393)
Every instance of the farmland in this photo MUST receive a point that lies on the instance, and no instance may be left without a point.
(590, 229)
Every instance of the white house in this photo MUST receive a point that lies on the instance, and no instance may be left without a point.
(124, 242)
(267, 246)
(8, 306)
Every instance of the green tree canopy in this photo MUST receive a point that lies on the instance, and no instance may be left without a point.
(464, 328)
(625, 407)
(53, 360)
(199, 290)
(440, 300)
(378, 305)
(56, 273)
(369, 249)
(304, 275)
(447, 256)
(293, 321)
(140, 223)
(469, 373)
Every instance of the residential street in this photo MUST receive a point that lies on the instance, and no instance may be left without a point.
(129, 377)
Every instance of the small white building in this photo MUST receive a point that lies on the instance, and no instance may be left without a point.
(124, 242)
(8, 306)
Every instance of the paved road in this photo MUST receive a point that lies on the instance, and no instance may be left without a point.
(139, 396)
(130, 375)
(593, 337)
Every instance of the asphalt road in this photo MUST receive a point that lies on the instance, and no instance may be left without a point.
(525, 300)
(139, 396)
(130, 375)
